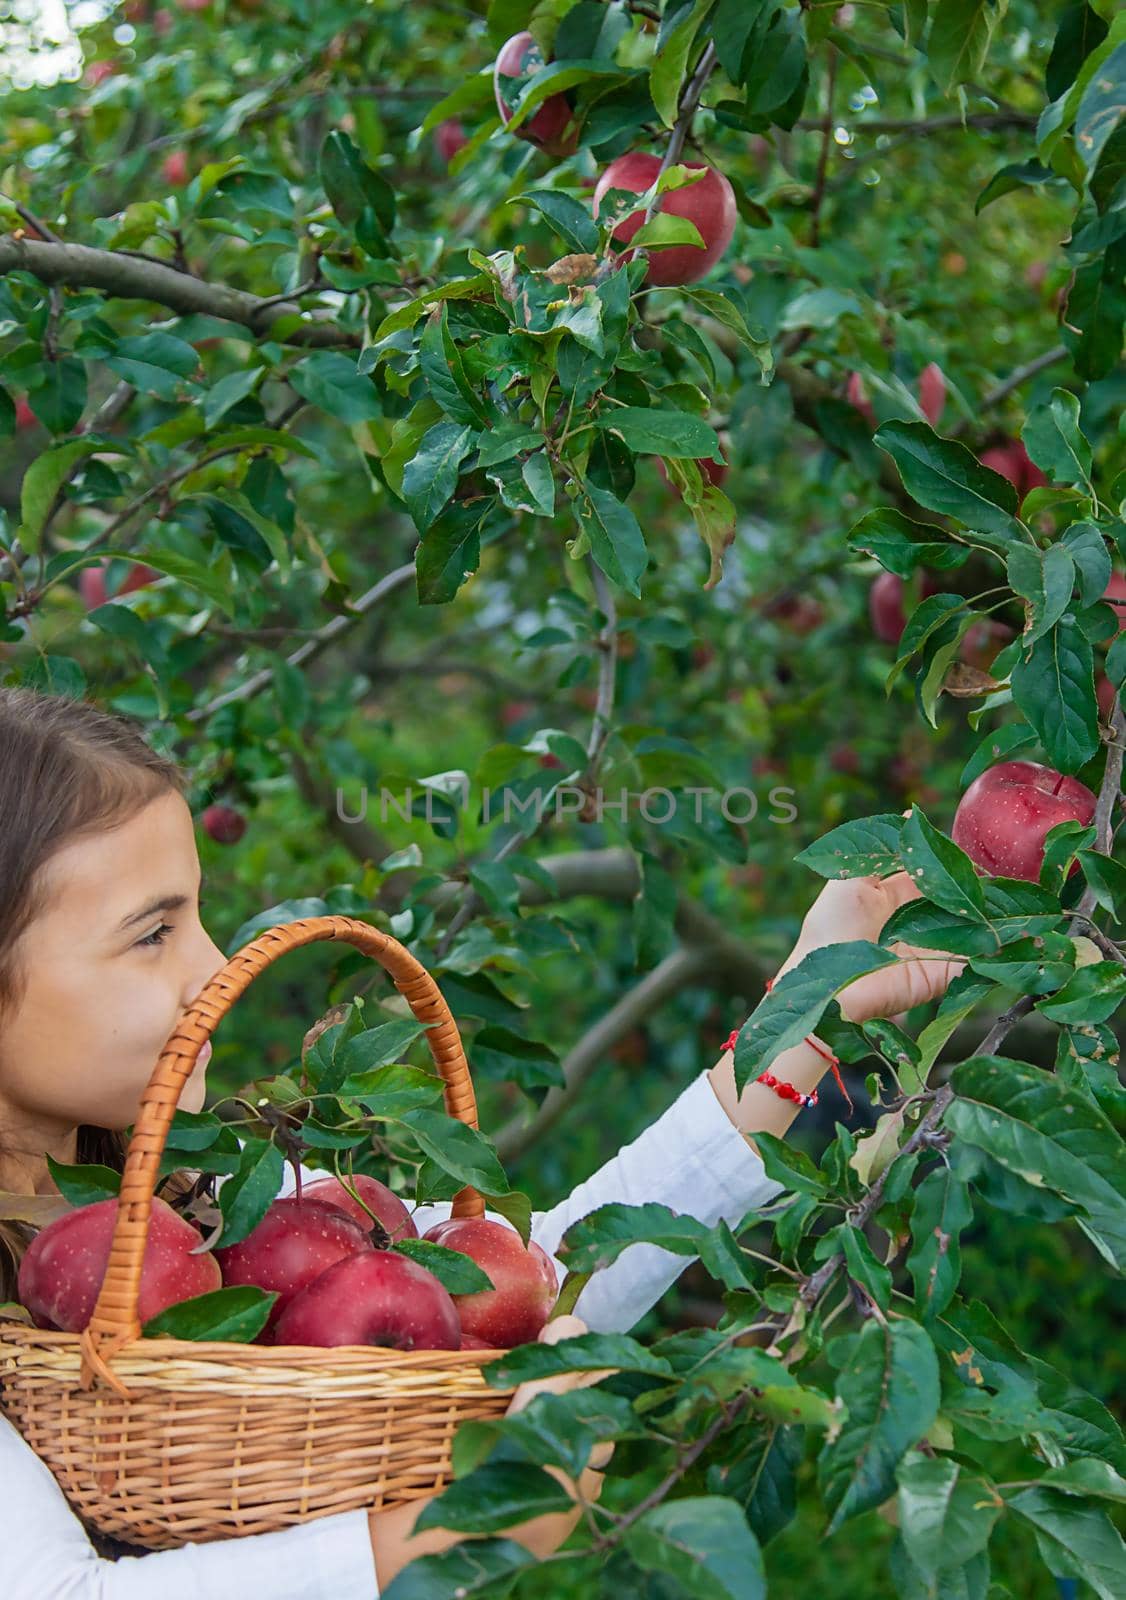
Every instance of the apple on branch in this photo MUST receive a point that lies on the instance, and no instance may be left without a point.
(707, 202)
(520, 57)
(1006, 814)
(61, 1273)
(295, 1242)
(525, 1282)
(886, 608)
(226, 826)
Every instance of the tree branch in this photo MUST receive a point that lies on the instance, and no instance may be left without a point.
(79, 266)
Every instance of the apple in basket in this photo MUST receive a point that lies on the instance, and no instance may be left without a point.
(377, 1196)
(375, 1297)
(61, 1273)
(295, 1242)
(525, 1283)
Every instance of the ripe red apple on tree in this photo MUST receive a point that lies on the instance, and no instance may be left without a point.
(175, 170)
(294, 1243)
(223, 824)
(709, 202)
(1005, 815)
(1104, 694)
(92, 583)
(98, 71)
(1012, 461)
(449, 138)
(857, 396)
(375, 1297)
(387, 1206)
(61, 1273)
(886, 608)
(1115, 596)
(525, 1285)
(932, 393)
(25, 416)
(518, 57)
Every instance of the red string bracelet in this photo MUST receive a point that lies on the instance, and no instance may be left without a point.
(787, 1090)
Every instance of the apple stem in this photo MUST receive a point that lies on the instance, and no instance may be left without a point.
(1059, 781)
(296, 1165)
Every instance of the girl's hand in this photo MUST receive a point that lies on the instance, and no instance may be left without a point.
(858, 908)
(394, 1544)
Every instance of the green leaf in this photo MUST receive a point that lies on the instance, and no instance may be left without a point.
(856, 849)
(903, 546)
(890, 1388)
(1093, 994)
(86, 1183)
(941, 1210)
(245, 1198)
(448, 554)
(941, 871)
(599, 1238)
(228, 391)
(670, 62)
(862, 1264)
(155, 363)
(570, 218)
(588, 1352)
(1087, 1477)
(1101, 108)
(662, 432)
(444, 371)
(237, 1313)
(352, 186)
(457, 1273)
(616, 540)
(961, 31)
(42, 482)
(1075, 1540)
(1048, 1135)
(1055, 441)
(794, 1005)
(704, 1544)
(1045, 578)
(458, 1149)
(944, 476)
(331, 380)
(471, 1567)
(1054, 687)
(945, 1516)
(430, 477)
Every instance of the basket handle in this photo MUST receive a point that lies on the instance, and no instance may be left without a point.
(115, 1322)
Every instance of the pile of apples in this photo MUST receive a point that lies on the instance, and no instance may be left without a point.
(336, 1279)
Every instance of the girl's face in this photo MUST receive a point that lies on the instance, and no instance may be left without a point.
(111, 966)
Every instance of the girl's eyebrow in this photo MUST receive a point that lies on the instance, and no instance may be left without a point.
(167, 902)
(164, 902)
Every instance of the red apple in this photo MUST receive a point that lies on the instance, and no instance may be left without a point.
(1012, 461)
(387, 1206)
(449, 138)
(519, 57)
(193, 5)
(799, 613)
(98, 71)
(886, 608)
(857, 396)
(375, 1297)
(92, 582)
(1005, 814)
(843, 758)
(163, 22)
(525, 1285)
(469, 1342)
(514, 711)
(223, 824)
(174, 169)
(295, 1242)
(932, 393)
(709, 202)
(61, 1273)
(1104, 694)
(25, 416)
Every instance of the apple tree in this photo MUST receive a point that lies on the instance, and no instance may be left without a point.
(571, 401)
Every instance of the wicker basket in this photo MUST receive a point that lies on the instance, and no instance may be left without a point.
(161, 1441)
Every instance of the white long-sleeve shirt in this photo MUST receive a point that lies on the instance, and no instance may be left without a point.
(692, 1159)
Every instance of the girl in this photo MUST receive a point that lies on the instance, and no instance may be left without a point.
(102, 950)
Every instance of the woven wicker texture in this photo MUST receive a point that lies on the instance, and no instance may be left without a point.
(160, 1441)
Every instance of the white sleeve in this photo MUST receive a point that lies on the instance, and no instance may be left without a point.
(45, 1553)
(692, 1159)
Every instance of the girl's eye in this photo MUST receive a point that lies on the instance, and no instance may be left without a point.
(157, 937)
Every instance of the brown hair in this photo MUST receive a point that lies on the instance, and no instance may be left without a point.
(67, 770)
